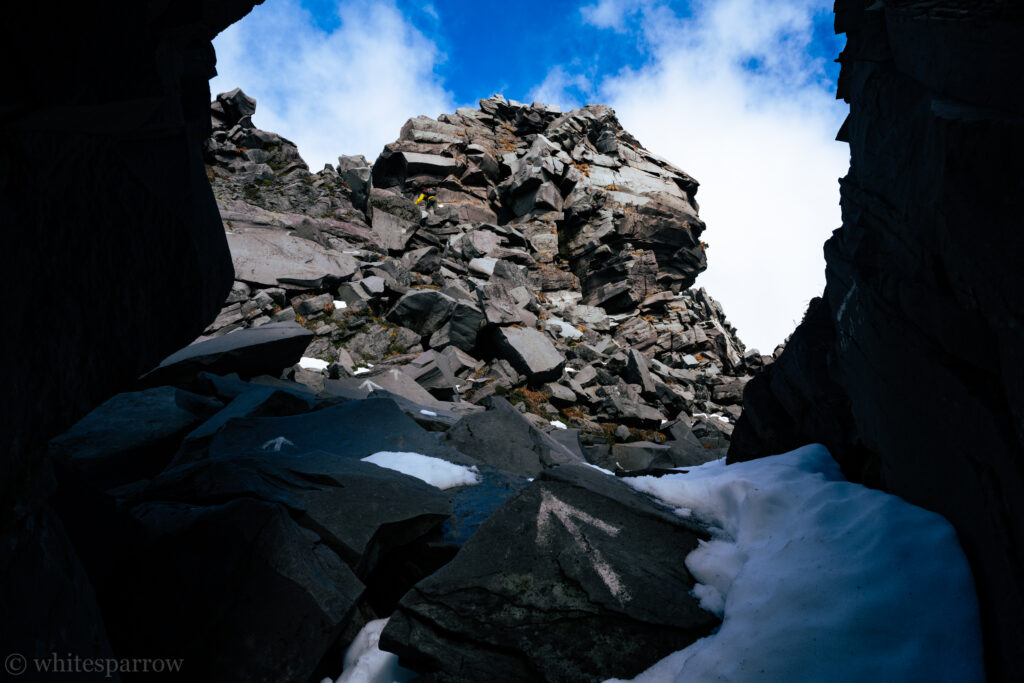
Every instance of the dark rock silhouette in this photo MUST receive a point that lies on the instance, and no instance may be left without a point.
(906, 368)
(103, 111)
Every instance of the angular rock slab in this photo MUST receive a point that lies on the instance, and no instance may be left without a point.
(575, 578)
(361, 511)
(504, 439)
(267, 349)
(530, 352)
(272, 258)
(240, 591)
(353, 430)
(132, 435)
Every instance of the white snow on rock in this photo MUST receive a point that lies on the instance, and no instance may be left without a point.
(430, 413)
(818, 579)
(366, 663)
(339, 304)
(312, 363)
(434, 471)
(558, 424)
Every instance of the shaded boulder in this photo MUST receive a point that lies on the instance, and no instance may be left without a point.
(353, 430)
(503, 438)
(642, 455)
(422, 310)
(575, 578)
(267, 349)
(131, 436)
(242, 591)
(361, 511)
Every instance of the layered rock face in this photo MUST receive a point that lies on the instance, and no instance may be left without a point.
(511, 250)
(112, 227)
(907, 367)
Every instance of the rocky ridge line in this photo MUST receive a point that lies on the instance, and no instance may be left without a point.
(551, 268)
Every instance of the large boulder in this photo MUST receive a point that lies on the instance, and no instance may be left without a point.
(131, 436)
(352, 430)
(271, 258)
(253, 566)
(575, 578)
(267, 349)
(503, 438)
(530, 352)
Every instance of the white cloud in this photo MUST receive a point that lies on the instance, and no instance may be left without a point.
(558, 86)
(608, 13)
(760, 142)
(347, 91)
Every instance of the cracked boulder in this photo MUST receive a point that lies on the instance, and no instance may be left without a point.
(575, 578)
(530, 352)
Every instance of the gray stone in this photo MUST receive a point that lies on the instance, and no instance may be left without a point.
(422, 311)
(576, 576)
(393, 233)
(633, 413)
(314, 305)
(274, 257)
(637, 372)
(503, 438)
(249, 563)
(642, 455)
(350, 430)
(561, 395)
(530, 352)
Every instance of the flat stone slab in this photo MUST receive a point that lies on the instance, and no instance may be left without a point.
(267, 349)
(271, 258)
(353, 430)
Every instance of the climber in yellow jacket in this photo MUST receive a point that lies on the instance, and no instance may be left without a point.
(428, 196)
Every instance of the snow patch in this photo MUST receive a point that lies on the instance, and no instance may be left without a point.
(338, 303)
(430, 413)
(818, 579)
(434, 471)
(558, 424)
(365, 662)
(312, 363)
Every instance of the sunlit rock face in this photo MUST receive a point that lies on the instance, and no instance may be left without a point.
(908, 367)
(115, 250)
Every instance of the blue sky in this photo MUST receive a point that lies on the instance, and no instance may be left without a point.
(738, 93)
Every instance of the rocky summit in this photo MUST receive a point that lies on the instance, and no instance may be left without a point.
(370, 423)
(506, 292)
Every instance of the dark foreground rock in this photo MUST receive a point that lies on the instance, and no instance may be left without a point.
(576, 578)
(262, 350)
(908, 368)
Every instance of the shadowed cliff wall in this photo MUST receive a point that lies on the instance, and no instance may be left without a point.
(908, 368)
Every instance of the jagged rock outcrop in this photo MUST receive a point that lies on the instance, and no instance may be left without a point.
(548, 251)
(906, 368)
(105, 197)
